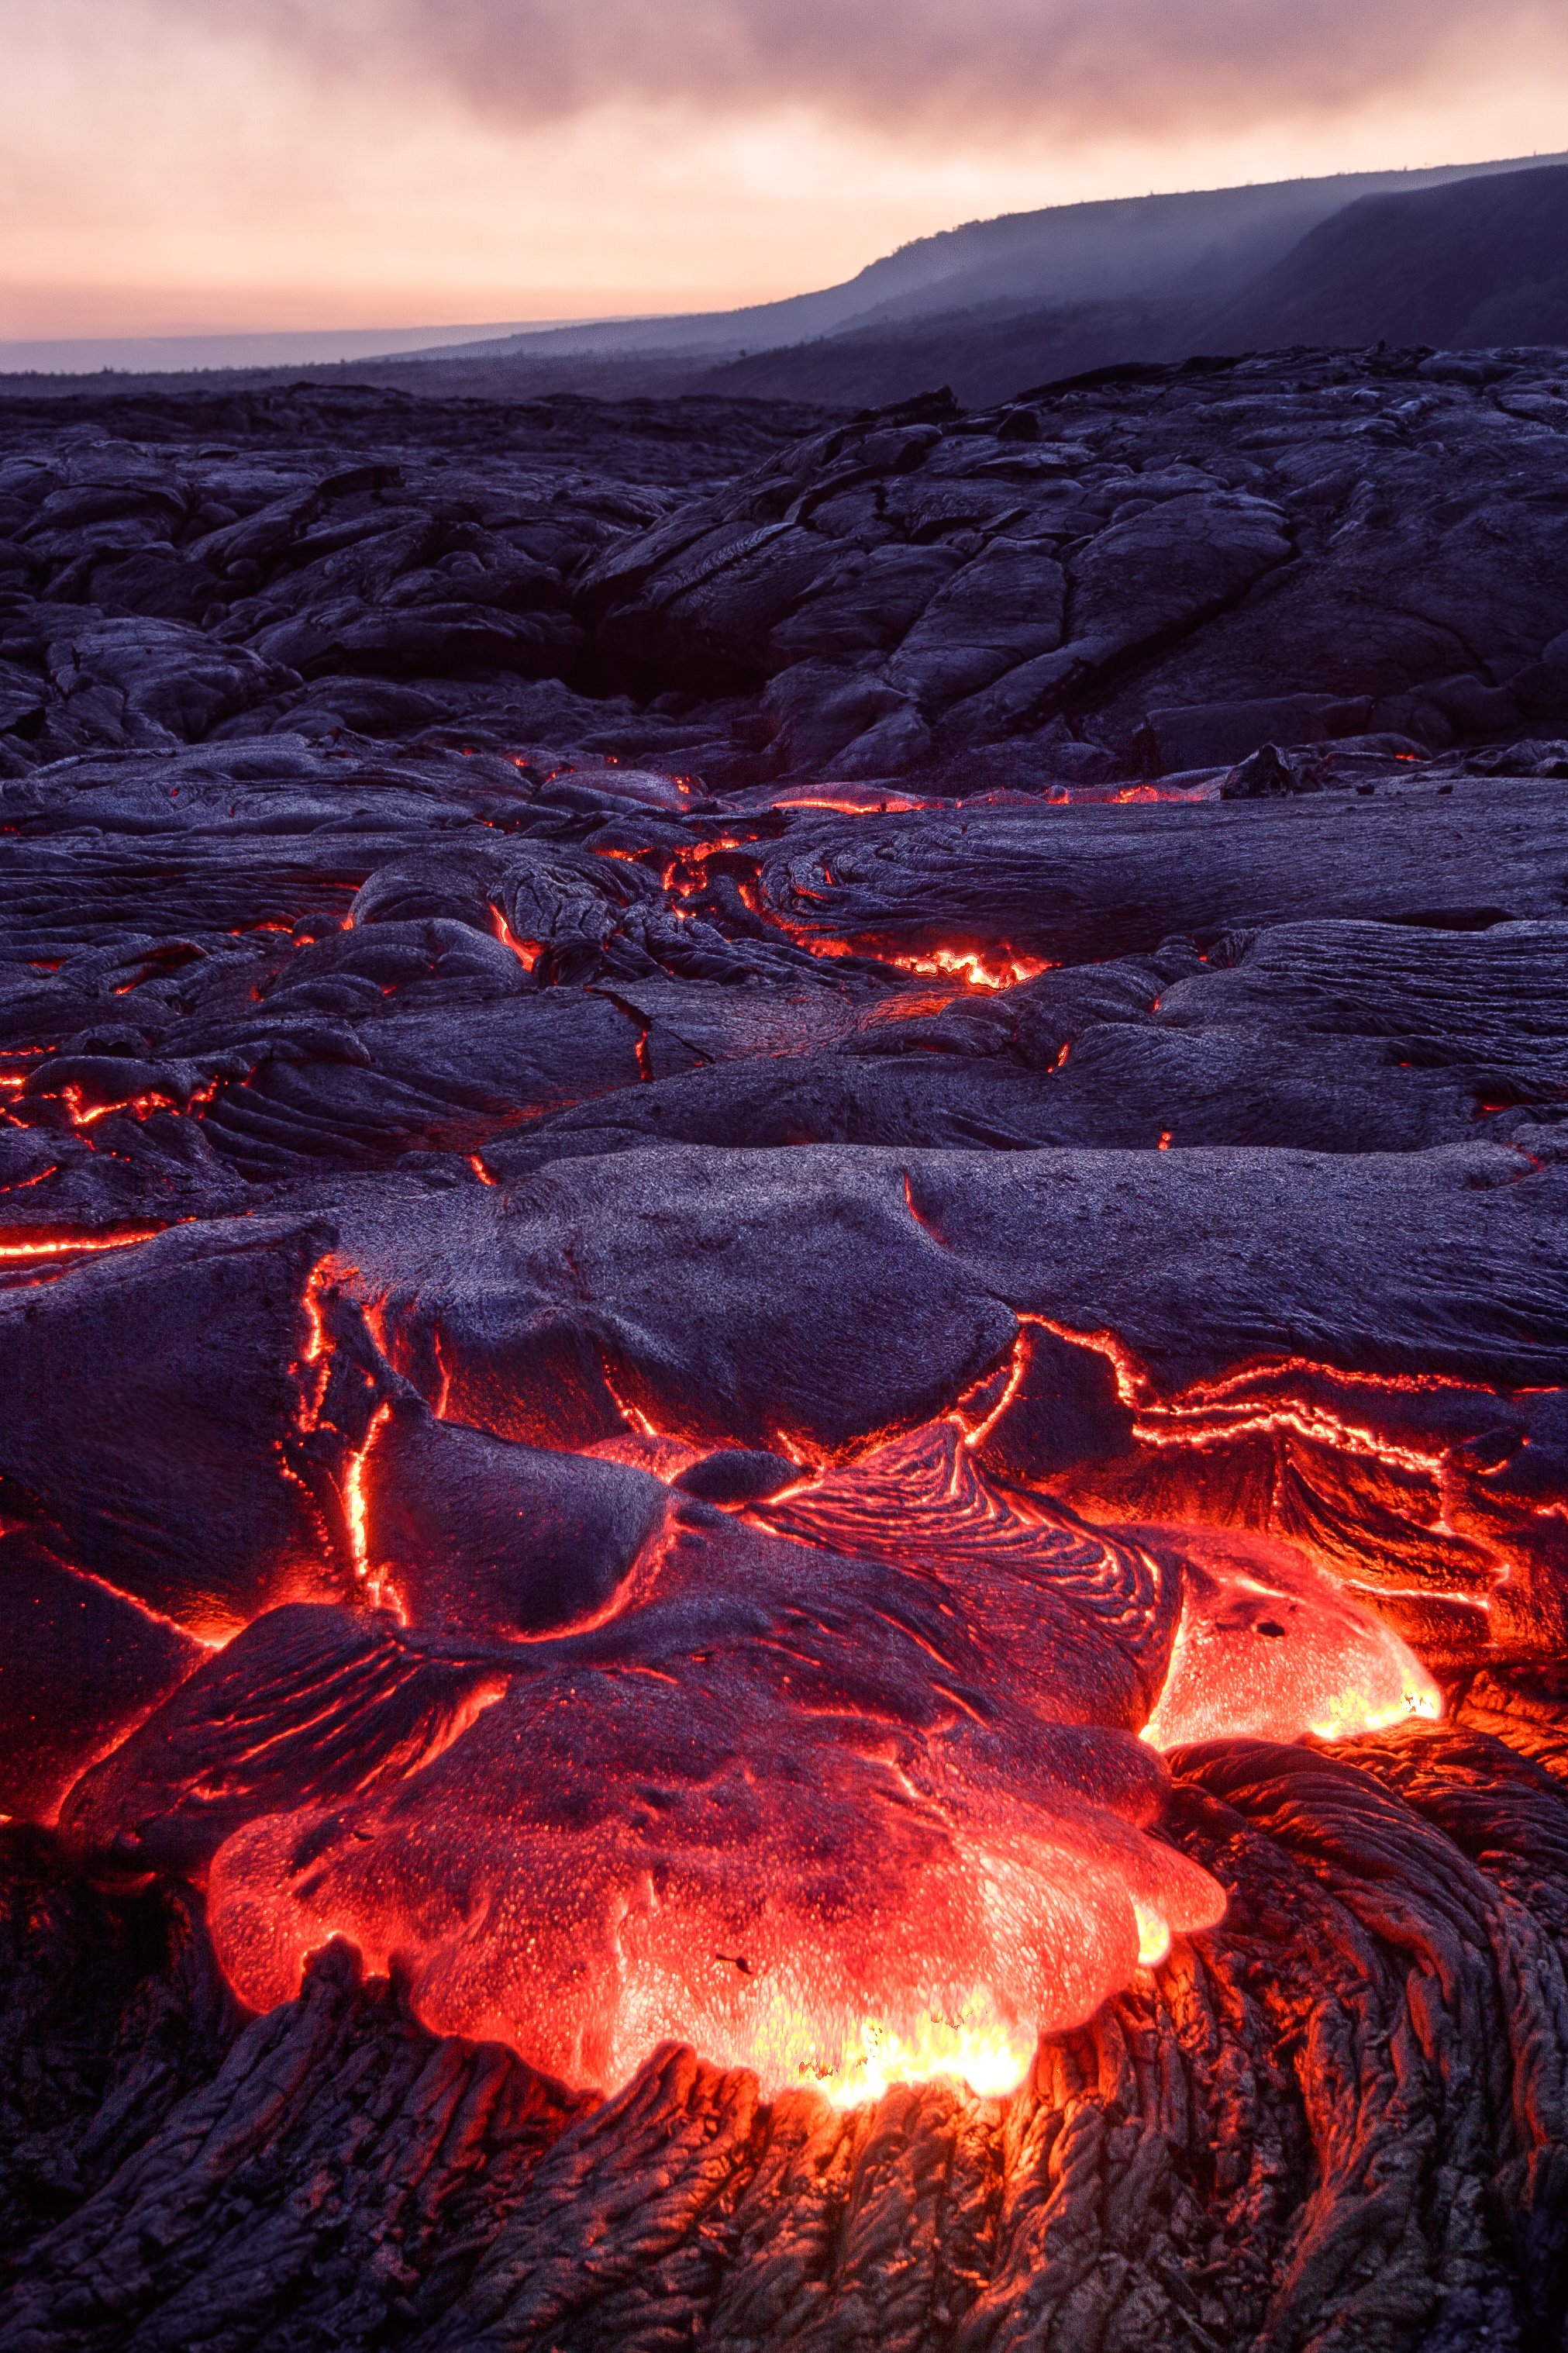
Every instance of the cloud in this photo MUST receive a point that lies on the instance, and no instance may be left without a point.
(1066, 71)
(202, 165)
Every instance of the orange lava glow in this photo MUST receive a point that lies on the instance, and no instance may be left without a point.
(24, 1184)
(1154, 1938)
(683, 876)
(975, 967)
(676, 1826)
(1270, 1646)
(647, 1450)
(355, 1506)
(877, 806)
(316, 1353)
(1211, 1414)
(911, 1005)
(990, 967)
(922, 1497)
(589, 1948)
(68, 1245)
(1131, 1381)
(527, 951)
(670, 1834)
(972, 2046)
(858, 1782)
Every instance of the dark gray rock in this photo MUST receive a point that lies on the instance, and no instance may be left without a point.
(819, 1111)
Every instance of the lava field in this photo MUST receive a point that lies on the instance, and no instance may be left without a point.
(783, 1340)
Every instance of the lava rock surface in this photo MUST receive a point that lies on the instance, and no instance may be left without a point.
(727, 1138)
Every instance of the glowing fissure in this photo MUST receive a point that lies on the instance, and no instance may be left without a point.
(884, 805)
(643, 1446)
(976, 1433)
(317, 1352)
(1216, 1412)
(527, 951)
(25, 1184)
(682, 876)
(1132, 1384)
(354, 1506)
(984, 966)
(82, 1114)
(1179, 1423)
(68, 1246)
(313, 1369)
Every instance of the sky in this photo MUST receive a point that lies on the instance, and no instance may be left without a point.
(174, 167)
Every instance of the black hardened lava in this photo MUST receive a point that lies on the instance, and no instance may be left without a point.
(784, 1369)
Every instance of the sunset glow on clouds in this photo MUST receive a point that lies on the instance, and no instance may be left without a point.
(173, 166)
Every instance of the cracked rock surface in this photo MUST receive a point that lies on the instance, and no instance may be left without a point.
(782, 1269)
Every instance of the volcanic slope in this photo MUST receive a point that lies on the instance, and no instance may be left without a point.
(782, 1553)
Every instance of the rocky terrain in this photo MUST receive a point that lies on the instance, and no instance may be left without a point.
(782, 1454)
(1146, 574)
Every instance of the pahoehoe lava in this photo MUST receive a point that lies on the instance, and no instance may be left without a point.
(783, 1368)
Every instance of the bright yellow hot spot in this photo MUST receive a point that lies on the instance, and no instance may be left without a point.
(974, 2048)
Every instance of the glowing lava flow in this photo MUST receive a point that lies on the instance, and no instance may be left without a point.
(81, 1114)
(68, 1245)
(877, 805)
(854, 1797)
(354, 1506)
(1270, 1646)
(795, 1911)
(995, 967)
(920, 1497)
(972, 2046)
(844, 1785)
(879, 1825)
(527, 951)
(986, 967)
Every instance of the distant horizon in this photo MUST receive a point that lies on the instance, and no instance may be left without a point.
(221, 351)
(50, 357)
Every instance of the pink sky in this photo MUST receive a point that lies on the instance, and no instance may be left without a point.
(183, 167)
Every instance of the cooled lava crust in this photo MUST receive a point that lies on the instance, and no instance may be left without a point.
(783, 1327)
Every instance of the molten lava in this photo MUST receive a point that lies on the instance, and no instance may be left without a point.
(849, 1776)
(843, 1790)
(1268, 1645)
(818, 1915)
(527, 951)
(68, 1245)
(974, 2046)
(995, 967)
